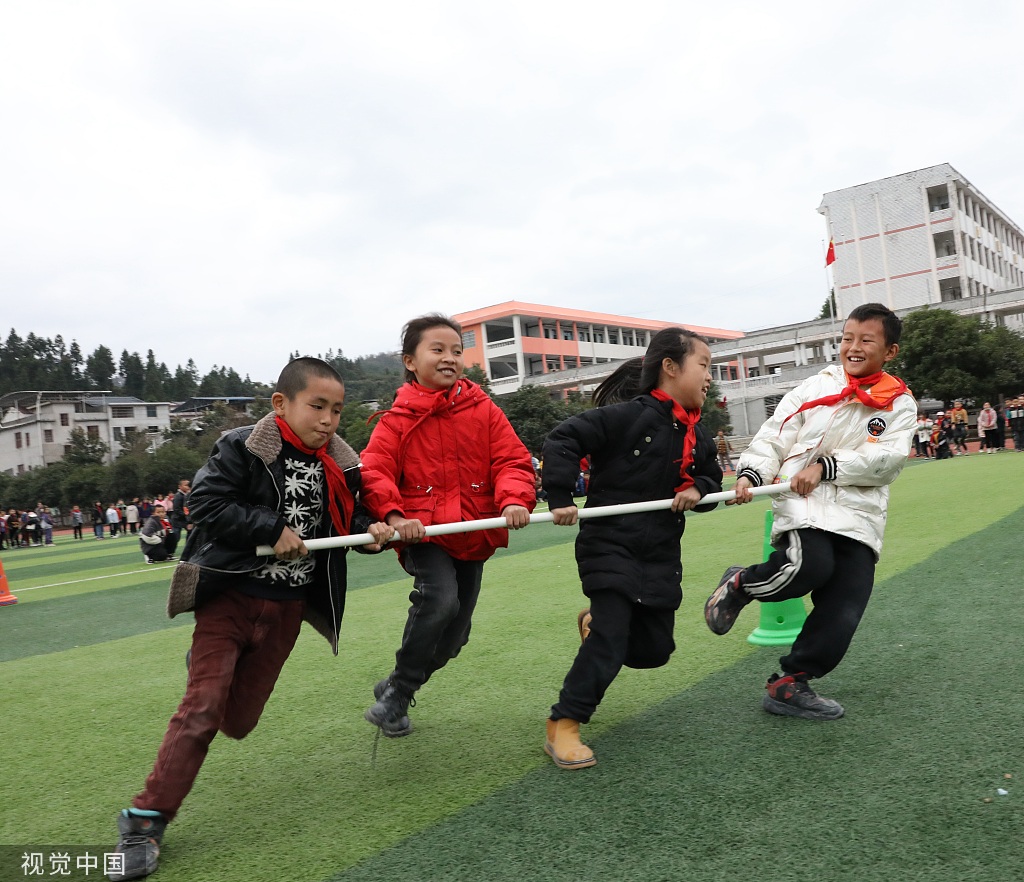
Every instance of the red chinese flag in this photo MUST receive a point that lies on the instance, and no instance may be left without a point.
(830, 255)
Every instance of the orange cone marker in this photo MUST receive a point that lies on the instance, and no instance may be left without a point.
(6, 598)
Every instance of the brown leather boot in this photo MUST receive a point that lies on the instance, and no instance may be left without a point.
(583, 623)
(563, 745)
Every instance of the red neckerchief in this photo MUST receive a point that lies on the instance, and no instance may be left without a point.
(337, 489)
(165, 524)
(688, 419)
(889, 387)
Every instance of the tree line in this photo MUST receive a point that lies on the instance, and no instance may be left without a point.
(35, 362)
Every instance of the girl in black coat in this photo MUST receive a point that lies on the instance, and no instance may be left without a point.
(646, 447)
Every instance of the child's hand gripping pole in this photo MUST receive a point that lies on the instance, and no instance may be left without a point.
(544, 517)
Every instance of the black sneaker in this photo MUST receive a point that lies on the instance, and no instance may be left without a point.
(724, 606)
(389, 711)
(791, 696)
(141, 834)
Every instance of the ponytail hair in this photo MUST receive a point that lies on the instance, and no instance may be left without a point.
(637, 376)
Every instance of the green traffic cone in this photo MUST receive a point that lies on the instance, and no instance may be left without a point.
(780, 622)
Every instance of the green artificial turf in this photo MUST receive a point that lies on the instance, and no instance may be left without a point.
(705, 785)
(694, 781)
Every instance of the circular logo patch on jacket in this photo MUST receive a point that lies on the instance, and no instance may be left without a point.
(876, 425)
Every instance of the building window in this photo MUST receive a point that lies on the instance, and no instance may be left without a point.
(93, 432)
(17, 440)
(770, 403)
(48, 436)
(151, 411)
(117, 433)
(28, 439)
(468, 342)
(21, 468)
(938, 198)
(598, 335)
(549, 333)
(584, 335)
(122, 412)
(566, 332)
(64, 419)
(613, 335)
(153, 430)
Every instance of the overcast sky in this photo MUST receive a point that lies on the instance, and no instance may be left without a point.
(235, 181)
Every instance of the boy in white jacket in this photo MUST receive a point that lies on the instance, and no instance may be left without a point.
(841, 438)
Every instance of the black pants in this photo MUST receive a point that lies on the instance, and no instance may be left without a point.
(622, 632)
(444, 595)
(838, 573)
(77, 531)
(155, 552)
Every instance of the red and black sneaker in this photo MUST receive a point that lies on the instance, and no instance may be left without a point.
(139, 846)
(724, 606)
(791, 696)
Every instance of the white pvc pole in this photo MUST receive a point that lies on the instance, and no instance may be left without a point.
(544, 517)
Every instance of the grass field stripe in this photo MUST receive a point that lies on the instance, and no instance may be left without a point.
(90, 579)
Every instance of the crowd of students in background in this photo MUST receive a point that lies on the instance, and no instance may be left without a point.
(21, 528)
(26, 528)
(946, 435)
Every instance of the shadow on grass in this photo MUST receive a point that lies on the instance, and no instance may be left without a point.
(706, 786)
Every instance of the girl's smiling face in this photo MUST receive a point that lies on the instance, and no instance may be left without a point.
(437, 362)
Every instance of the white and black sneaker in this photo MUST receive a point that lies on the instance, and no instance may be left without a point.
(390, 712)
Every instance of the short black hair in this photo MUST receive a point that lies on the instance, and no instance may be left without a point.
(891, 323)
(297, 373)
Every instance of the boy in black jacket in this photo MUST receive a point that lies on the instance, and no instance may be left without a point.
(286, 479)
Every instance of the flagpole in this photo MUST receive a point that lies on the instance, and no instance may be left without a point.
(830, 282)
(831, 303)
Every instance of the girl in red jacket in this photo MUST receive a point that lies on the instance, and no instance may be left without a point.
(443, 453)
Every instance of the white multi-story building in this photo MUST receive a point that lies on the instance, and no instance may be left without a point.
(35, 427)
(921, 238)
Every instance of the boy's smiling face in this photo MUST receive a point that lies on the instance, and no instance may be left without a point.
(863, 350)
(313, 413)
